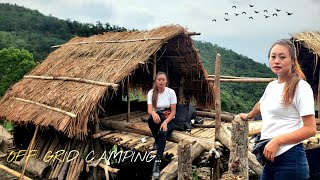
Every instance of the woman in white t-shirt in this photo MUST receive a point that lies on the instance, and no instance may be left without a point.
(163, 99)
(287, 110)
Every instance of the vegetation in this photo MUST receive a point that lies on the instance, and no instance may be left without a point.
(235, 97)
(22, 28)
(14, 64)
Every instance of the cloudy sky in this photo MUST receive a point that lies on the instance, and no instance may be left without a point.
(249, 37)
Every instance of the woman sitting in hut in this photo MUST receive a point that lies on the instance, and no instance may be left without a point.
(162, 108)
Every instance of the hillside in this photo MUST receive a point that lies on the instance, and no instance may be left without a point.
(29, 29)
(235, 97)
(23, 28)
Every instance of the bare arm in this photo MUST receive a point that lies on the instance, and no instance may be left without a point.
(253, 113)
(308, 130)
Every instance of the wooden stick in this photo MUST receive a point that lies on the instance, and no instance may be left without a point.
(217, 96)
(13, 172)
(251, 80)
(46, 106)
(128, 99)
(119, 41)
(100, 83)
(154, 67)
(29, 148)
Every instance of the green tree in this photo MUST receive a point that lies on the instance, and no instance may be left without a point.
(14, 63)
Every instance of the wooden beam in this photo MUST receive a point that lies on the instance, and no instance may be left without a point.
(118, 41)
(193, 33)
(13, 172)
(100, 83)
(184, 161)
(249, 80)
(46, 106)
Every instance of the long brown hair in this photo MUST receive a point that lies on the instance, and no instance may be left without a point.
(296, 72)
(155, 90)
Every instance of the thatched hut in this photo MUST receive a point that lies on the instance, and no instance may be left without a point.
(68, 89)
(308, 47)
(88, 77)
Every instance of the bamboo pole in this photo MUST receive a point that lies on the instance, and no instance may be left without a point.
(128, 99)
(29, 148)
(154, 67)
(249, 80)
(100, 83)
(119, 41)
(46, 106)
(13, 172)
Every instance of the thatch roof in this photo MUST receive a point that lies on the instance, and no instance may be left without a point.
(65, 90)
(308, 47)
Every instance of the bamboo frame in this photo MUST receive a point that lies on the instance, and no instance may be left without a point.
(119, 41)
(46, 106)
(100, 83)
(243, 80)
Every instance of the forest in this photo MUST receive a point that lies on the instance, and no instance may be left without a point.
(26, 37)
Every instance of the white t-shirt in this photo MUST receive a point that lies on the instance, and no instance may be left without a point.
(278, 120)
(165, 99)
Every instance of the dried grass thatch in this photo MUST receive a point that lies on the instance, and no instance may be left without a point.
(65, 90)
(308, 47)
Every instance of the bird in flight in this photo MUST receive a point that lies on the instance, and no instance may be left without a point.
(250, 17)
(244, 12)
(256, 11)
(266, 16)
(225, 13)
(278, 9)
(226, 19)
(289, 13)
(265, 11)
(236, 14)
(251, 5)
(234, 6)
(214, 20)
(275, 14)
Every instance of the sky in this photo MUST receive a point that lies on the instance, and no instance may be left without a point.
(249, 37)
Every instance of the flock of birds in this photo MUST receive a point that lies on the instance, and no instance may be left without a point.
(265, 13)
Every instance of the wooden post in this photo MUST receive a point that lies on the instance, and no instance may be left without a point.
(215, 169)
(154, 67)
(318, 96)
(128, 99)
(29, 149)
(238, 160)
(184, 161)
(217, 96)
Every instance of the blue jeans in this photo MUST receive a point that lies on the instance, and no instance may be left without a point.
(290, 165)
